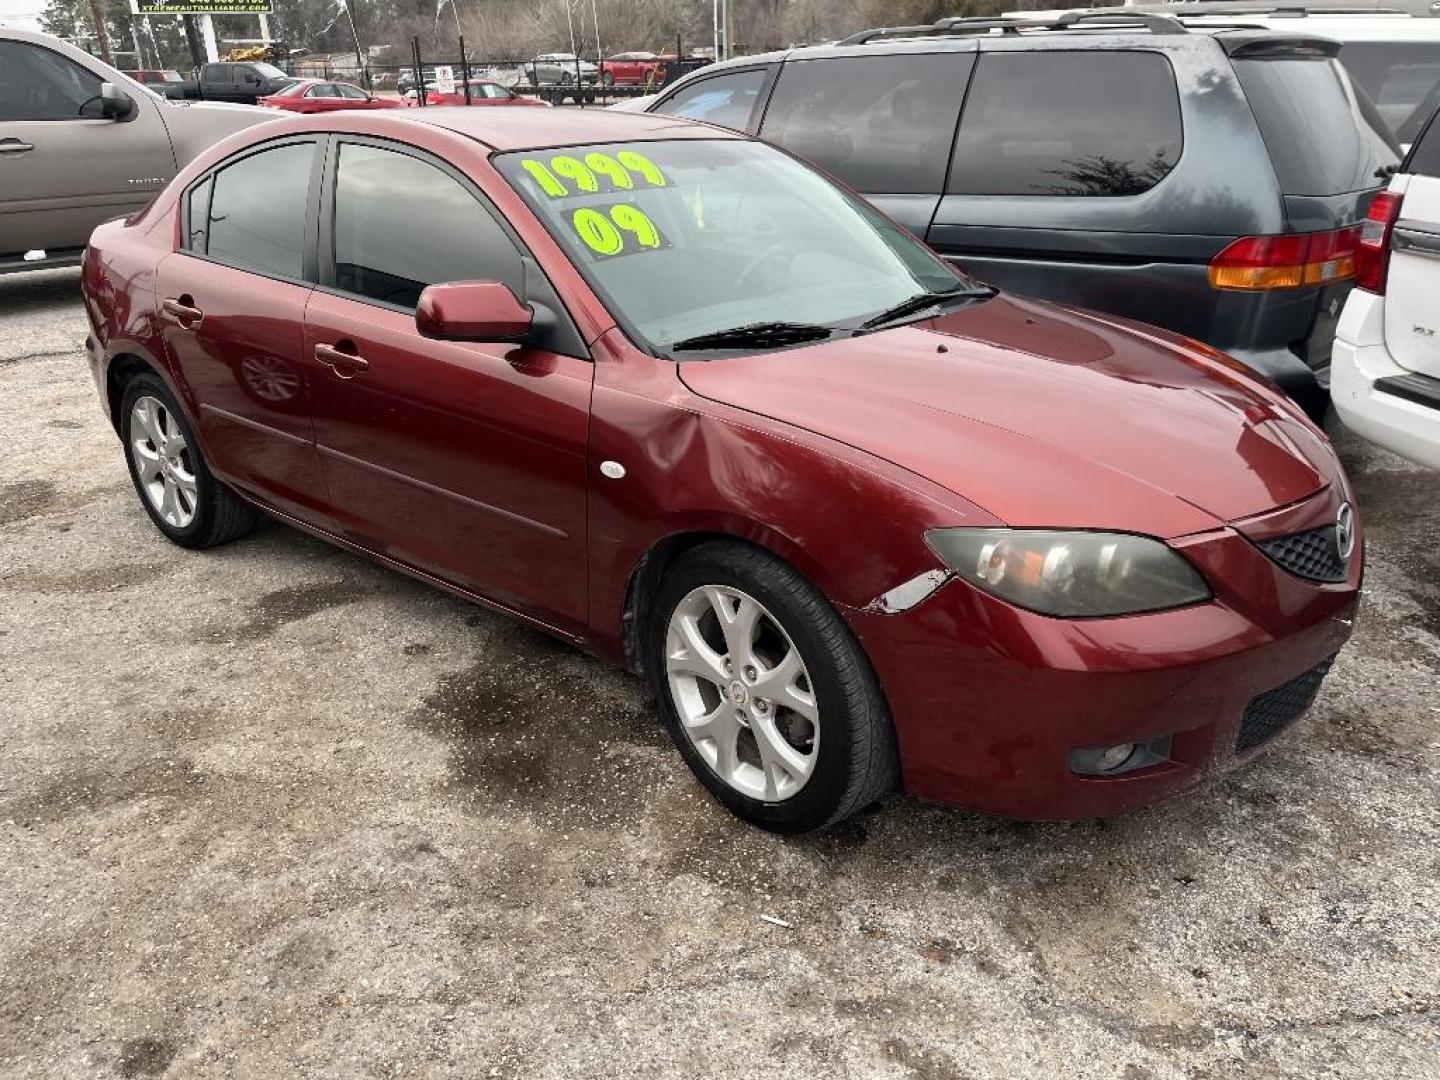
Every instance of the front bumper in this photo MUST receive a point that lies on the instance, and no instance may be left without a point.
(989, 700)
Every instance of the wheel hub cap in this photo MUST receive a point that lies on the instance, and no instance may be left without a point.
(759, 734)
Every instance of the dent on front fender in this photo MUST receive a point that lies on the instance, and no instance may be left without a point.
(852, 524)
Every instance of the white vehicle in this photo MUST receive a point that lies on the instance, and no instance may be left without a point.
(634, 104)
(1385, 367)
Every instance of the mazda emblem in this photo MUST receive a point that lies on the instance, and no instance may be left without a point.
(1345, 531)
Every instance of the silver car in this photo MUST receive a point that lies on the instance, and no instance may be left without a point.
(81, 143)
(564, 69)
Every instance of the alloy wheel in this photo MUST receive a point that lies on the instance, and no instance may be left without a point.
(163, 462)
(744, 697)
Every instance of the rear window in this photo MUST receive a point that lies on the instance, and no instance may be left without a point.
(1068, 123)
(1321, 129)
(883, 124)
(1402, 79)
(1424, 159)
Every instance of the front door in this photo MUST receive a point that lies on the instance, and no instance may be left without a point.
(466, 460)
(233, 303)
(63, 169)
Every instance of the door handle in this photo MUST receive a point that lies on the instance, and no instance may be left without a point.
(181, 312)
(15, 146)
(344, 363)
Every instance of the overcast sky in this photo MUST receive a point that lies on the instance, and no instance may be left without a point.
(24, 13)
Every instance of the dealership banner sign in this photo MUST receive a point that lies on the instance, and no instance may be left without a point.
(202, 7)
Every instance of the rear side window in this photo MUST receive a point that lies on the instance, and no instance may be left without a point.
(1402, 79)
(254, 217)
(1068, 123)
(727, 100)
(1424, 159)
(883, 124)
(1322, 131)
(402, 224)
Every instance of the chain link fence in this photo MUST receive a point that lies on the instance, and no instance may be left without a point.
(554, 78)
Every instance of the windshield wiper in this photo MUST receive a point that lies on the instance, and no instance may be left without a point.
(754, 335)
(923, 301)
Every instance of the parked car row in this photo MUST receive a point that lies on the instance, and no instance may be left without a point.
(854, 511)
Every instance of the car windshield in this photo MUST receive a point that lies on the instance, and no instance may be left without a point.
(693, 238)
(270, 71)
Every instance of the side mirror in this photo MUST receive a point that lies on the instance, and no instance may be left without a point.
(115, 104)
(472, 311)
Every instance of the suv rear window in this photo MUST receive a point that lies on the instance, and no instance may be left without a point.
(1323, 133)
(1068, 123)
(1424, 159)
(883, 124)
(1402, 79)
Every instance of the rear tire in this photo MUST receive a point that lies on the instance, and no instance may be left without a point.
(175, 485)
(800, 735)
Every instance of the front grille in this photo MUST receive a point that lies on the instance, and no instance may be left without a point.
(1314, 554)
(1270, 712)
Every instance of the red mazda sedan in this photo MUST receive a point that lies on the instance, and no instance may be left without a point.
(673, 396)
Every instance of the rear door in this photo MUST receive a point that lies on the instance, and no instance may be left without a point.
(884, 124)
(62, 169)
(1412, 301)
(233, 307)
(1063, 181)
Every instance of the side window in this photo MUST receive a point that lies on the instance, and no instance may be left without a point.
(197, 236)
(256, 214)
(402, 224)
(38, 84)
(322, 90)
(352, 93)
(1402, 79)
(883, 124)
(1067, 123)
(1424, 159)
(726, 100)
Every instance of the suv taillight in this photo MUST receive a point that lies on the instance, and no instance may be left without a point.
(1372, 252)
(1285, 262)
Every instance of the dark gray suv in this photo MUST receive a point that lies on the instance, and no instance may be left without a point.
(1207, 180)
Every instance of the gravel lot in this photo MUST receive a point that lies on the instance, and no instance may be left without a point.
(273, 810)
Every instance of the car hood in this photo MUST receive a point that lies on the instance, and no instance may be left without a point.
(1043, 417)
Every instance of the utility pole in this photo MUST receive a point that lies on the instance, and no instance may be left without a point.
(192, 40)
(102, 35)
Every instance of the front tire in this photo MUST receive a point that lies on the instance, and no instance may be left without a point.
(174, 483)
(767, 694)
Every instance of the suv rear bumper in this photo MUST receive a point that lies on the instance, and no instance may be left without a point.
(1398, 422)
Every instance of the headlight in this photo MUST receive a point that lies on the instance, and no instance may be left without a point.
(1071, 573)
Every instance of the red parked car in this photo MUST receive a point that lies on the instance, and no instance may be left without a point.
(671, 395)
(633, 69)
(482, 92)
(319, 96)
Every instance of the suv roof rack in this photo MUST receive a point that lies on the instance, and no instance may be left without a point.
(954, 25)
(1154, 21)
(1179, 9)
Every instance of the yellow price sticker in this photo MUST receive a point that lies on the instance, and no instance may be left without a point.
(566, 175)
(618, 229)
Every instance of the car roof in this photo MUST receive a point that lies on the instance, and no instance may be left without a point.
(530, 129)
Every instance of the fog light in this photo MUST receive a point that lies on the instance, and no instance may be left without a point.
(1121, 757)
